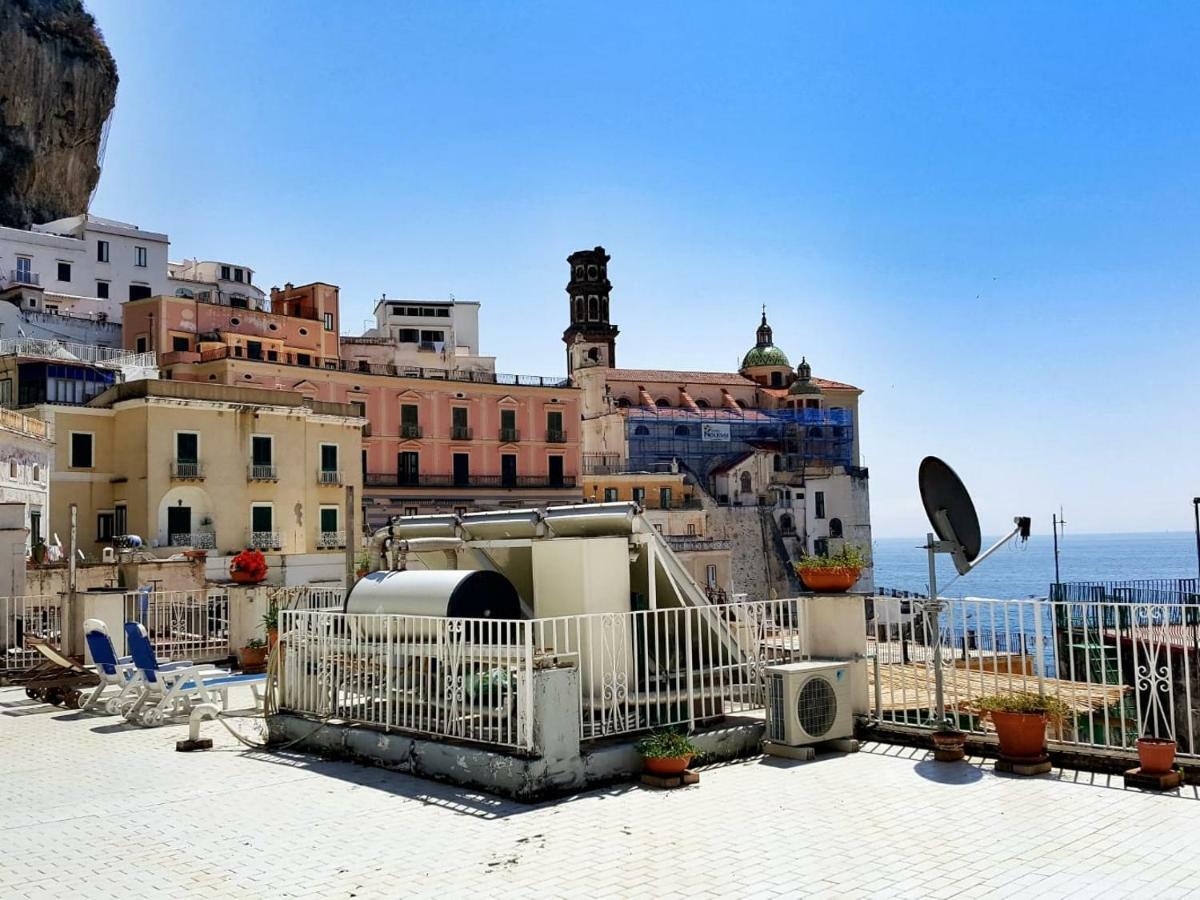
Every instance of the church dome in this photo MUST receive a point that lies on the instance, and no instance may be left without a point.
(764, 352)
(804, 383)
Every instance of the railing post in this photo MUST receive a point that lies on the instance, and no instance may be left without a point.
(691, 701)
(527, 711)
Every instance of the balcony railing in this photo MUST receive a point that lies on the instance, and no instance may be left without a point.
(554, 436)
(200, 540)
(27, 425)
(387, 479)
(460, 433)
(265, 540)
(20, 276)
(187, 470)
(410, 431)
(263, 472)
(510, 435)
(68, 351)
(331, 540)
(329, 476)
(355, 365)
(687, 542)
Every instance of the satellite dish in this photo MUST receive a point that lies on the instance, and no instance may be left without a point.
(949, 507)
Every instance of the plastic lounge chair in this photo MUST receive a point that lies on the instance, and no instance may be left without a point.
(114, 671)
(171, 691)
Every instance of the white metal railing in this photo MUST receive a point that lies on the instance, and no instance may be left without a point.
(1123, 669)
(467, 679)
(67, 351)
(330, 540)
(32, 615)
(182, 624)
(263, 472)
(329, 476)
(199, 540)
(186, 469)
(308, 596)
(657, 668)
(265, 540)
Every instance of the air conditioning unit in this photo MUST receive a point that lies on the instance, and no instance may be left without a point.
(809, 703)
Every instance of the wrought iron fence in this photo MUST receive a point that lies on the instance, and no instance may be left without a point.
(183, 624)
(1122, 669)
(33, 615)
(467, 679)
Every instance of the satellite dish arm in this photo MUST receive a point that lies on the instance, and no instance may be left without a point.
(1021, 525)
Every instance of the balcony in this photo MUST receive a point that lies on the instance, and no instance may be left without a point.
(20, 276)
(388, 479)
(554, 436)
(263, 472)
(187, 470)
(460, 433)
(329, 476)
(199, 540)
(509, 435)
(265, 540)
(331, 540)
(410, 431)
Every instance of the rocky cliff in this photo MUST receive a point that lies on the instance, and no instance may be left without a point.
(58, 83)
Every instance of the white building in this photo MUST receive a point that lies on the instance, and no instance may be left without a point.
(85, 267)
(25, 447)
(436, 334)
(224, 283)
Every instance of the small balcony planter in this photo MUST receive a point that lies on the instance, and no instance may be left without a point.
(834, 574)
(1156, 756)
(253, 656)
(666, 753)
(1020, 721)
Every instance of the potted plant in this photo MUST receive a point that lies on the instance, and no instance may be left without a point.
(362, 564)
(949, 744)
(666, 752)
(254, 655)
(835, 573)
(248, 567)
(270, 622)
(1020, 721)
(1156, 756)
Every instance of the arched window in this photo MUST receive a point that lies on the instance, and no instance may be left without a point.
(702, 403)
(594, 354)
(579, 309)
(747, 483)
(681, 431)
(604, 309)
(579, 273)
(641, 430)
(662, 403)
(835, 528)
(622, 403)
(593, 308)
(37, 473)
(592, 272)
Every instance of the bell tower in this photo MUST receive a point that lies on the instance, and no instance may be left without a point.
(590, 338)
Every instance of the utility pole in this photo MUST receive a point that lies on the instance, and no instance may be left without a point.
(1056, 521)
(72, 624)
(1196, 509)
(352, 540)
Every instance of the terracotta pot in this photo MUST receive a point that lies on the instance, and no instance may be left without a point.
(195, 554)
(272, 638)
(252, 657)
(835, 581)
(666, 765)
(244, 577)
(948, 746)
(1022, 735)
(1156, 755)
(360, 573)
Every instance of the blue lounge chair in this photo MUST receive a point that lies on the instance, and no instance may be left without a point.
(171, 691)
(117, 672)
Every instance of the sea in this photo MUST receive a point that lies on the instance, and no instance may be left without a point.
(1019, 571)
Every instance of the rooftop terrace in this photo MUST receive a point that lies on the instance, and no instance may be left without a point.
(114, 811)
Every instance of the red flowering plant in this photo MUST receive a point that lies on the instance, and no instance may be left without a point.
(249, 566)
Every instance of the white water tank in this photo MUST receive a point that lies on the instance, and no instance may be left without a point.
(458, 593)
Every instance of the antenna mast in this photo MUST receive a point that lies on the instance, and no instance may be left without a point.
(1057, 521)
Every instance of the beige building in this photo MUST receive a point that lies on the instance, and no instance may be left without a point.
(26, 444)
(205, 465)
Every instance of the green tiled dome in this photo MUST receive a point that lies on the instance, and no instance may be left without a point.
(769, 355)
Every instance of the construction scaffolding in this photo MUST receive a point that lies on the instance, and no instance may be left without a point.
(701, 440)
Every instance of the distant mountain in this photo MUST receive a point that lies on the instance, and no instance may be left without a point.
(58, 84)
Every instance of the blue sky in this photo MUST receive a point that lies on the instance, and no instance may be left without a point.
(987, 216)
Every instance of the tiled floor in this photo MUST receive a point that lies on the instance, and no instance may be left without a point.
(93, 808)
